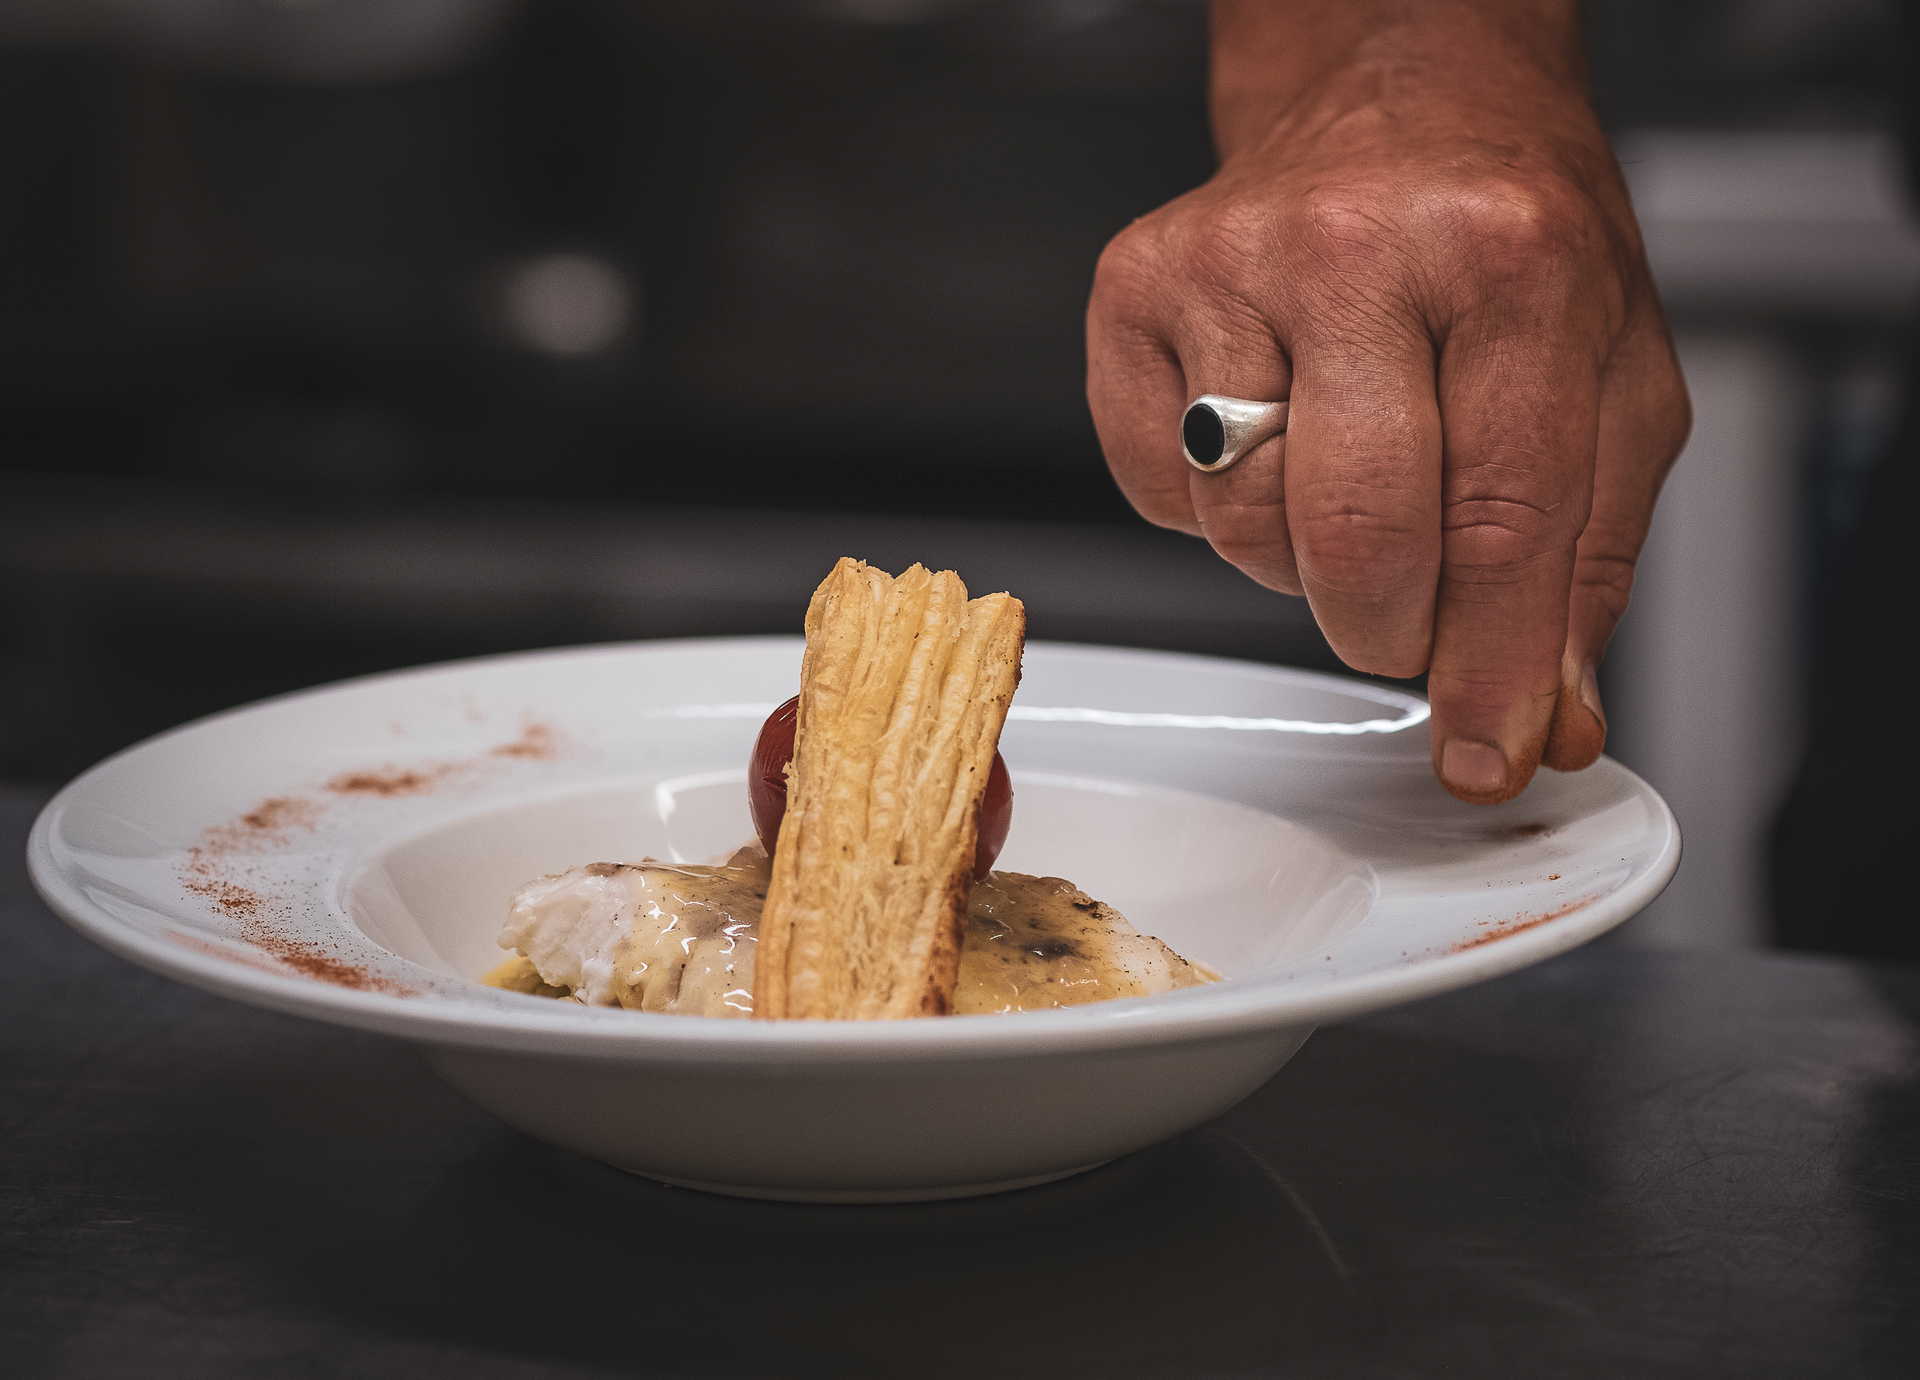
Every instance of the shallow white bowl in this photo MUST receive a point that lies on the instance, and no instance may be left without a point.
(347, 854)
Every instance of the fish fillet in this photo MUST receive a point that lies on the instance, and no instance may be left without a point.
(682, 939)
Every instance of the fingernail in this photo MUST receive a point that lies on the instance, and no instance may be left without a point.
(1590, 695)
(1474, 768)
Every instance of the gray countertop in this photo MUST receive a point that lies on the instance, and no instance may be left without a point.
(1619, 1163)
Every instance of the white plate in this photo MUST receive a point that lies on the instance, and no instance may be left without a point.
(346, 854)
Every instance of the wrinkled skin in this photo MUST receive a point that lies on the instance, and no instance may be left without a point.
(1423, 240)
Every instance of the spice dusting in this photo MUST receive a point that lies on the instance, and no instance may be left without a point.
(1518, 925)
(228, 897)
(278, 814)
(257, 962)
(313, 962)
(267, 824)
(389, 782)
(216, 868)
(208, 870)
(536, 743)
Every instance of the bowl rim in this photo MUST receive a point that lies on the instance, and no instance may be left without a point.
(1220, 1011)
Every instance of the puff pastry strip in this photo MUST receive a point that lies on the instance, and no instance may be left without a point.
(903, 691)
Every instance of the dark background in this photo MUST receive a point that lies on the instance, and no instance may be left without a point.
(338, 335)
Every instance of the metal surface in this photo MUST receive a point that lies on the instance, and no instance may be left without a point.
(1217, 432)
(1620, 1163)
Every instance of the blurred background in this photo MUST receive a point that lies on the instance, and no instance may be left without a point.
(341, 335)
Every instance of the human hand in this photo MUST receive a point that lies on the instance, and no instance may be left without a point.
(1420, 237)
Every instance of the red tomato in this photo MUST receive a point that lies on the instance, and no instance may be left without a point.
(767, 771)
(767, 789)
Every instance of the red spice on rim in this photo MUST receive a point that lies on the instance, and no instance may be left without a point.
(1518, 925)
(216, 868)
(266, 824)
(536, 742)
(313, 962)
(388, 782)
(208, 870)
(258, 963)
(228, 897)
(278, 814)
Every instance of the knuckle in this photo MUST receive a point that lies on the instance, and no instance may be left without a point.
(1362, 543)
(1162, 504)
(1397, 663)
(1605, 580)
(1252, 538)
(1124, 364)
(1498, 540)
(1353, 268)
(1672, 417)
(1169, 521)
(1225, 244)
(1474, 687)
(1352, 220)
(1166, 510)
(1347, 239)
(1129, 266)
(1530, 240)
(1485, 693)
(1528, 217)
(1647, 400)
(1244, 533)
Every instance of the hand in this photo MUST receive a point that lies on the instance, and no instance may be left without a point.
(1421, 239)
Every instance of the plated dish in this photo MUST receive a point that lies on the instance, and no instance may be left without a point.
(881, 803)
(348, 854)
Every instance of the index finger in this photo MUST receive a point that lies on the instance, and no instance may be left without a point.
(1520, 418)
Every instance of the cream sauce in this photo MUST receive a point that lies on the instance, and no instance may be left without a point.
(1035, 943)
(681, 938)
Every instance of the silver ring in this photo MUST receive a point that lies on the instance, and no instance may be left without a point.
(1215, 431)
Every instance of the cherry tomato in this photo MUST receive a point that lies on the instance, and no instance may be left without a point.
(767, 789)
(767, 771)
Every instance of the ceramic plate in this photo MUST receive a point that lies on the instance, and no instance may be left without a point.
(347, 853)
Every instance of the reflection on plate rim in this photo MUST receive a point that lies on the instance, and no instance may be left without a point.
(1230, 1008)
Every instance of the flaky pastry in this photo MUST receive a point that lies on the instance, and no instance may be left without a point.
(903, 690)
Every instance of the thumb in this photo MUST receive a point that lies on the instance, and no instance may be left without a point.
(1602, 581)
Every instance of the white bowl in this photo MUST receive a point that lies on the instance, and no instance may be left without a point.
(347, 853)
